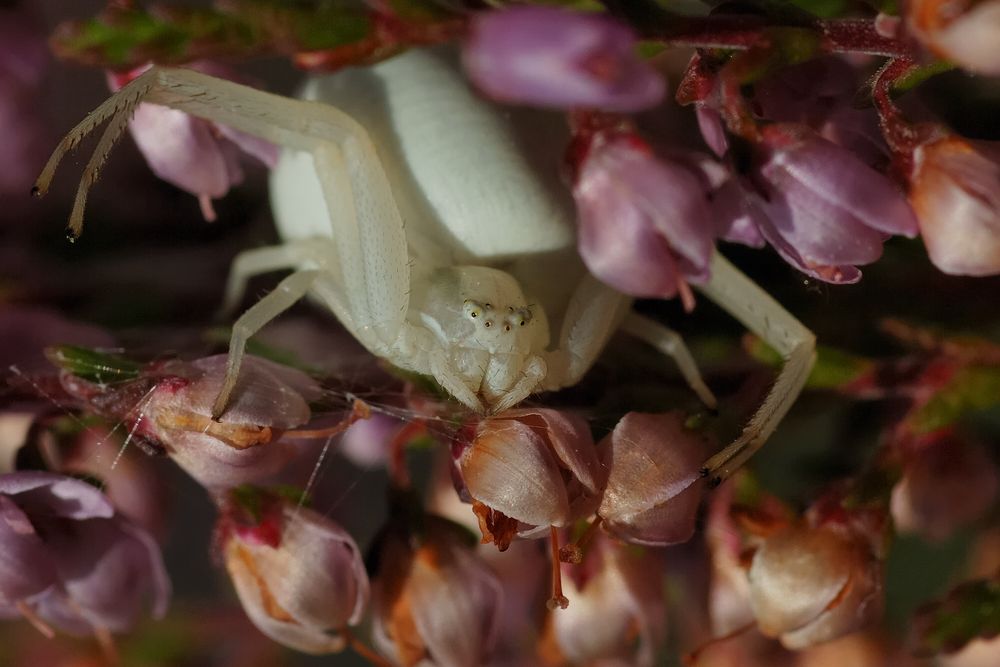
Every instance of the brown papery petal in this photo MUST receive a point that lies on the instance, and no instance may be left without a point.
(509, 467)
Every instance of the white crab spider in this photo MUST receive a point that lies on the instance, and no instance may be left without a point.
(433, 225)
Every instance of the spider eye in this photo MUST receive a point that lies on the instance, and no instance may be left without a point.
(506, 327)
(473, 314)
(521, 323)
(487, 324)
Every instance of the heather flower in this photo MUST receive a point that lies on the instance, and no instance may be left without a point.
(820, 206)
(645, 227)
(966, 32)
(947, 482)
(810, 584)
(196, 155)
(528, 468)
(436, 602)
(548, 57)
(299, 576)
(617, 608)
(68, 560)
(955, 191)
(654, 487)
(244, 445)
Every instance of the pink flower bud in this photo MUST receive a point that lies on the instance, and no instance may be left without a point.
(69, 560)
(617, 608)
(244, 446)
(299, 576)
(529, 466)
(654, 487)
(966, 32)
(821, 207)
(436, 601)
(644, 222)
(551, 57)
(813, 584)
(198, 156)
(955, 191)
(947, 483)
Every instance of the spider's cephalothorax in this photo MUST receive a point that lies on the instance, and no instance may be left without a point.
(481, 315)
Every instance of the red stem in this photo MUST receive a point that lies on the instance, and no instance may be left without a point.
(744, 32)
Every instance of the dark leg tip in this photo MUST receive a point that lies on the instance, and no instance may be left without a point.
(36, 191)
(704, 472)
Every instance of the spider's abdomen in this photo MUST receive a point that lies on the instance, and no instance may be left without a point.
(474, 183)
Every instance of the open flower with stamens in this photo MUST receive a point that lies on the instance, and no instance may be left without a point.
(654, 485)
(299, 575)
(436, 602)
(549, 57)
(525, 469)
(196, 155)
(68, 560)
(617, 609)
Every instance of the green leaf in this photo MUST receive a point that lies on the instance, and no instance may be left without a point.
(970, 611)
(92, 365)
(973, 388)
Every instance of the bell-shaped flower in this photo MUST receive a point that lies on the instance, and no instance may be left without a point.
(436, 602)
(528, 468)
(196, 155)
(244, 446)
(617, 610)
(820, 206)
(947, 483)
(810, 584)
(549, 57)
(299, 576)
(645, 225)
(68, 560)
(955, 191)
(966, 32)
(654, 484)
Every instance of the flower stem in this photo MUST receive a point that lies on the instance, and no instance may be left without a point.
(558, 599)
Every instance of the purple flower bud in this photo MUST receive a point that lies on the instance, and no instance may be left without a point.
(955, 190)
(644, 222)
(196, 155)
(654, 487)
(963, 31)
(436, 602)
(67, 559)
(299, 576)
(821, 207)
(550, 57)
(244, 446)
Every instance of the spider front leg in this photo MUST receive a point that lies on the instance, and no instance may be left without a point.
(366, 277)
(594, 313)
(760, 313)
